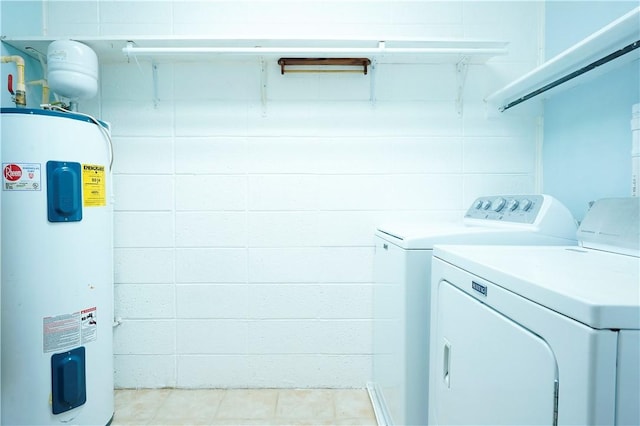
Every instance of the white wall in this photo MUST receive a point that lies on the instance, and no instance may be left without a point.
(244, 236)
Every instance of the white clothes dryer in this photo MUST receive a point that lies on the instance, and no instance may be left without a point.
(402, 272)
(540, 335)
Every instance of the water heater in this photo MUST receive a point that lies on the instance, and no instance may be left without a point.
(57, 269)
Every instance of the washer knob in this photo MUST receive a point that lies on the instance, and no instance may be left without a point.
(525, 204)
(477, 205)
(486, 204)
(512, 205)
(498, 204)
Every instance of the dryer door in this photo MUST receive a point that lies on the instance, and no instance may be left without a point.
(491, 370)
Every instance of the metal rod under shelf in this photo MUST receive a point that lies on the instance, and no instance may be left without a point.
(608, 58)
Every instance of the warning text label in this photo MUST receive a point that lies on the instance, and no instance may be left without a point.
(94, 185)
(66, 331)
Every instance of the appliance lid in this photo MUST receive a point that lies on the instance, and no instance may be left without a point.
(495, 219)
(425, 236)
(612, 224)
(597, 288)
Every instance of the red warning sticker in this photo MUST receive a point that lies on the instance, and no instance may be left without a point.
(21, 177)
(89, 324)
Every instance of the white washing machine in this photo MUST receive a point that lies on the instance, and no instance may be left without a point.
(540, 335)
(402, 272)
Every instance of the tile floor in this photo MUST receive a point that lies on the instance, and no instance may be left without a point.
(243, 407)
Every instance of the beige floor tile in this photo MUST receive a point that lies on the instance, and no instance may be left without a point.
(314, 404)
(138, 407)
(305, 422)
(266, 407)
(248, 404)
(245, 422)
(353, 403)
(189, 406)
(356, 422)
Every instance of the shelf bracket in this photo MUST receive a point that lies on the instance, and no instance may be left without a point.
(154, 75)
(461, 76)
(372, 83)
(263, 86)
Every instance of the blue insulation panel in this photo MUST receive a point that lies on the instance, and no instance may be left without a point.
(64, 191)
(68, 380)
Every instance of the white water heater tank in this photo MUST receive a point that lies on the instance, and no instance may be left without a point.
(72, 69)
(635, 150)
(57, 269)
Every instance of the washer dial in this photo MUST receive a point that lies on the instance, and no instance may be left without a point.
(525, 204)
(498, 204)
(512, 204)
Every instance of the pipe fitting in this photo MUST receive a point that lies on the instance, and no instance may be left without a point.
(21, 88)
(45, 89)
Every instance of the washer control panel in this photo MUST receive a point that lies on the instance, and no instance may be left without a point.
(506, 208)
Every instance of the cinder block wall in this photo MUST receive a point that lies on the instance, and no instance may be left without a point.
(244, 228)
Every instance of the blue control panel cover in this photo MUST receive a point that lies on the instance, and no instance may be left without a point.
(64, 191)
(68, 380)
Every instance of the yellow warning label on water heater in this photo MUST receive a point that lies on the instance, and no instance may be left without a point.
(94, 185)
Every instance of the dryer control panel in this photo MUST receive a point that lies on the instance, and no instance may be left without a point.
(506, 208)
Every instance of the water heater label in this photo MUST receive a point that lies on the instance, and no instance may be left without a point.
(68, 330)
(89, 324)
(94, 185)
(21, 177)
(61, 332)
